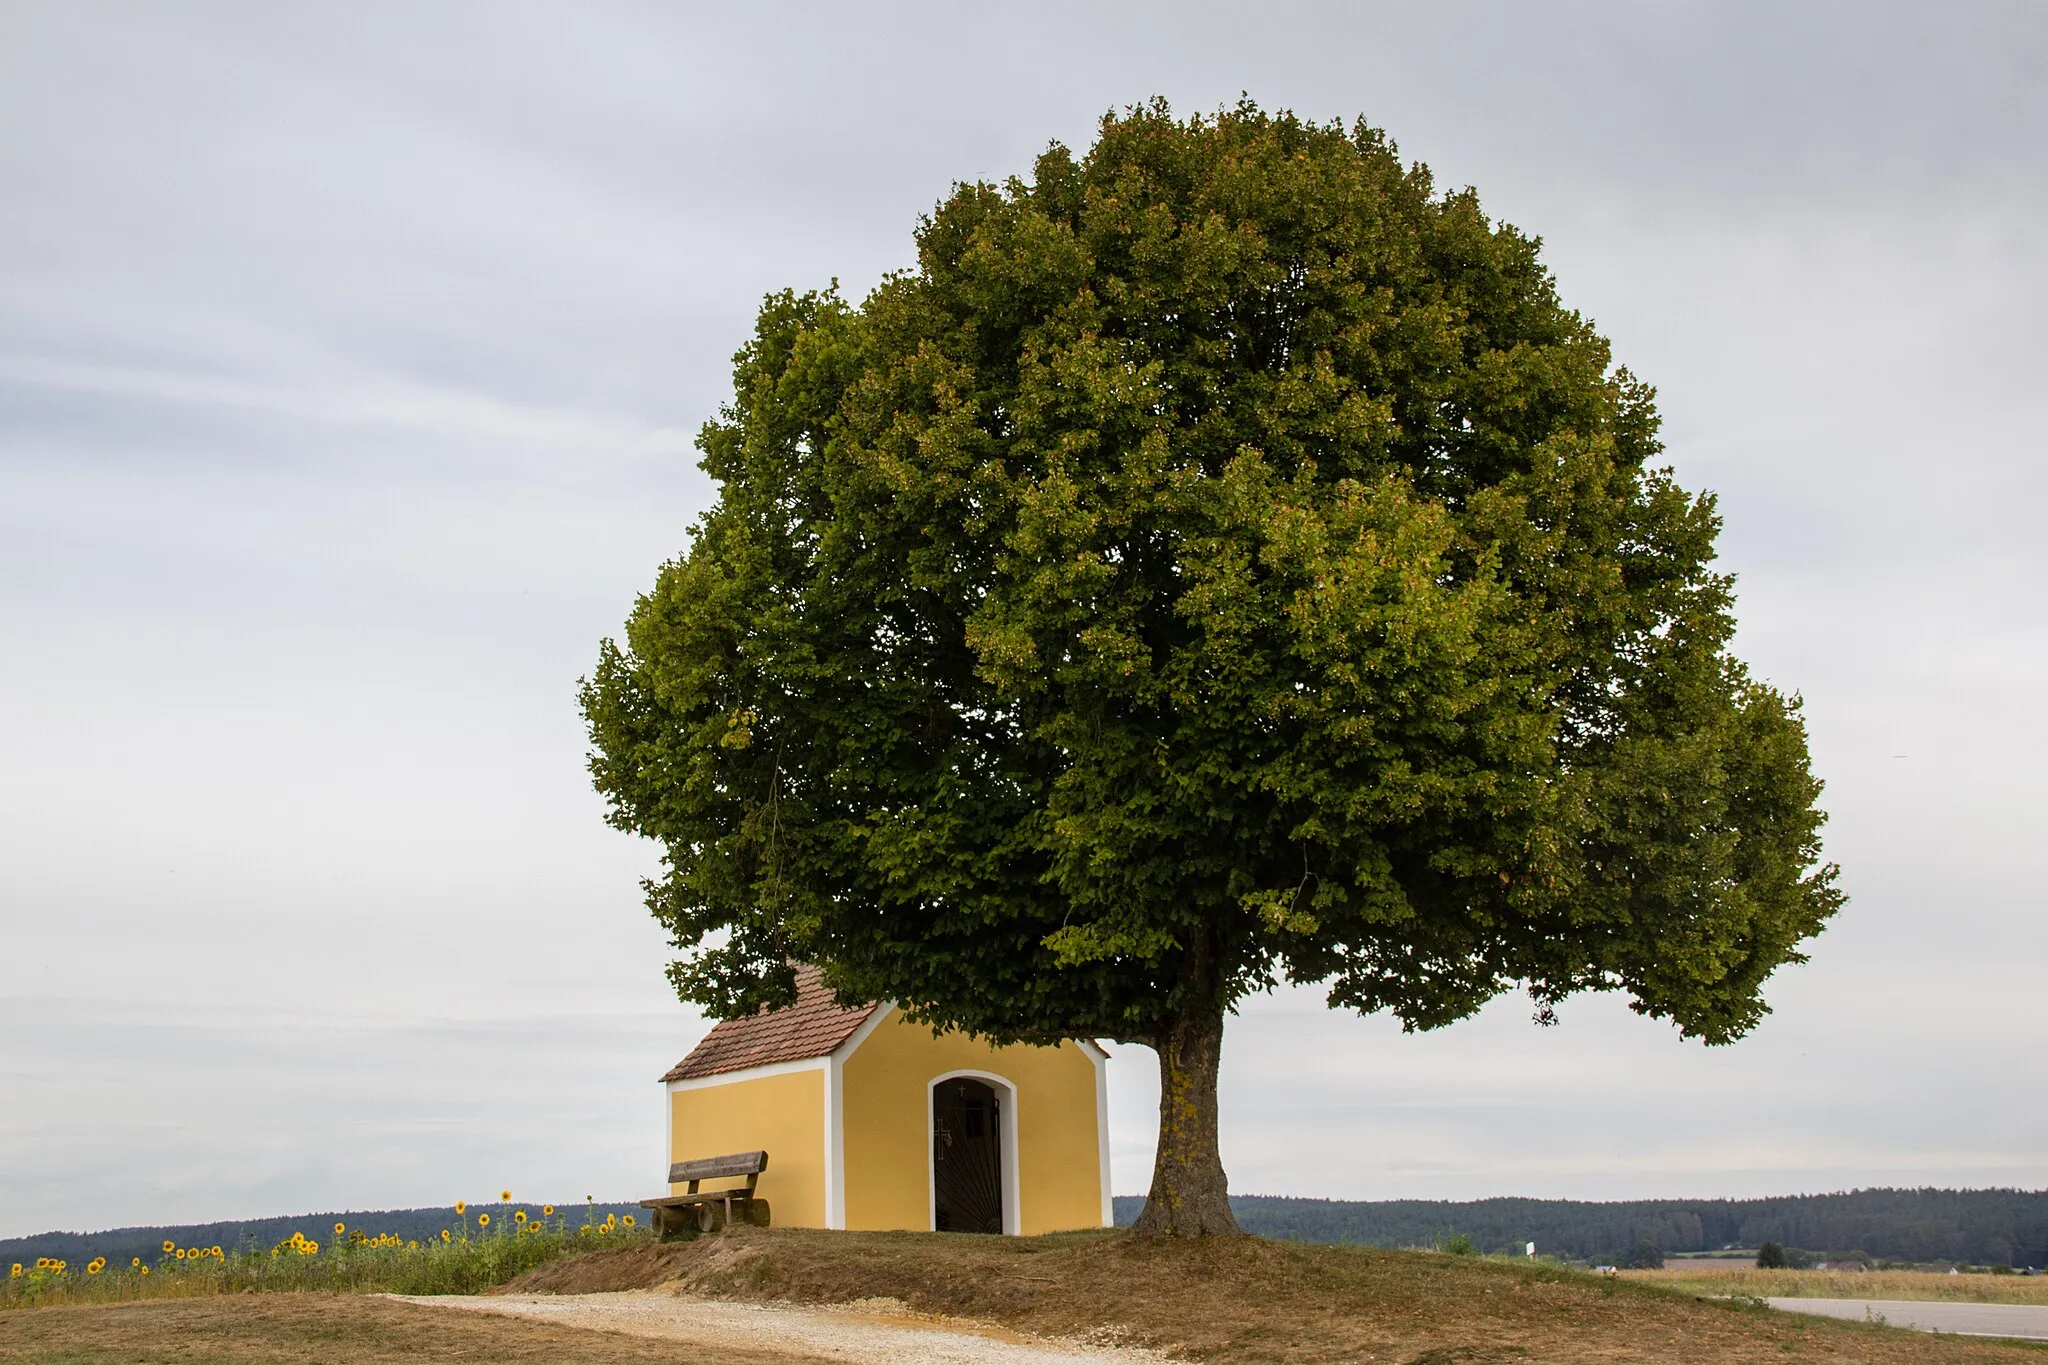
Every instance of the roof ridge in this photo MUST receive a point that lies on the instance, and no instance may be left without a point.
(814, 1025)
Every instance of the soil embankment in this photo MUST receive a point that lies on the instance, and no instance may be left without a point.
(1243, 1301)
(871, 1332)
(791, 1297)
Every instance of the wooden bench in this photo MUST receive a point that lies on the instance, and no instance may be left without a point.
(686, 1215)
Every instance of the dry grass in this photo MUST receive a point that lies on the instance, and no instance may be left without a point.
(305, 1329)
(1694, 1278)
(1218, 1302)
(1248, 1302)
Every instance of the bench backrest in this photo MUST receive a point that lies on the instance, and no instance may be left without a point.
(717, 1167)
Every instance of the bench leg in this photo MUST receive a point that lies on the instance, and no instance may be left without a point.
(675, 1225)
(690, 1221)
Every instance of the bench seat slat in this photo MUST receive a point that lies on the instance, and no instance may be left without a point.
(718, 1167)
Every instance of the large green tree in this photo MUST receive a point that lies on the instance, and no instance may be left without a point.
(1221, 560)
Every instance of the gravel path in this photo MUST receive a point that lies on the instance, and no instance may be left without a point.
(876, 1332)
(2023, 1320)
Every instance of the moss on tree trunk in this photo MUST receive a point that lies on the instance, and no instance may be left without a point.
(1190, 1195)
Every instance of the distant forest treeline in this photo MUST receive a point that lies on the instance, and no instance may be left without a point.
(121, 1244)
(1980, 1227)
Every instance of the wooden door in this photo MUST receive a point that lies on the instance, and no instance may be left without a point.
(967, 1156)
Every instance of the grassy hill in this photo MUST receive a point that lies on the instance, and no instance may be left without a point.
(1243, 1301)
(1978, 1227)
(1217, 1301)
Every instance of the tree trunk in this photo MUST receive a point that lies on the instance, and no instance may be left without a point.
(1190, 1194)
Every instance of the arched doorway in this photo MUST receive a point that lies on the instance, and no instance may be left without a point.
(967, 1156)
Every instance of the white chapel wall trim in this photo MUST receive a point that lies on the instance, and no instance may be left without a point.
(1099, 1055)
(835, 1114)
(751, 1073)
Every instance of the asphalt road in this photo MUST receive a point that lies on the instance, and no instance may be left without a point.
(2023, 1320)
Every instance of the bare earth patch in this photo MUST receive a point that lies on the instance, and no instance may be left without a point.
(874, 1332)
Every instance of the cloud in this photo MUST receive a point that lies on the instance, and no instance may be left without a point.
(413, 407)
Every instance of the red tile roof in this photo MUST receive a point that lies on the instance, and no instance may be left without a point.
(812, 1027)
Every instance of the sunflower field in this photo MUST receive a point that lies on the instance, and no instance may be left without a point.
(473, 1252)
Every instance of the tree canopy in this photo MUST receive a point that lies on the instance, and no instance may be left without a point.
(1221, 560)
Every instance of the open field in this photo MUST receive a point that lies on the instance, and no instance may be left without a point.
(1218, 1302)
(1921, 1285)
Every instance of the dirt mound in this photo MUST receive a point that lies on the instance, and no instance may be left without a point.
(847, 1335)
(1241, 1301)
(604, 1272)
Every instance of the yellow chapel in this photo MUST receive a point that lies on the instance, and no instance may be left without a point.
(872, 1122)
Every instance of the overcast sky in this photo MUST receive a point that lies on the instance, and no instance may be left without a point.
(349, 361)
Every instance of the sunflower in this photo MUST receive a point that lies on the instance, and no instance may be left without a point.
(145, 1270)
(628, 1220)
(461, 1207)
(547, 1210)
(134, 1261)
(519, 1216)
(445, 1237)
(340, 1228)
(504, 1196)
(181, 1253)
(170, 1247)
(14, 1271)
(483, 1220)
